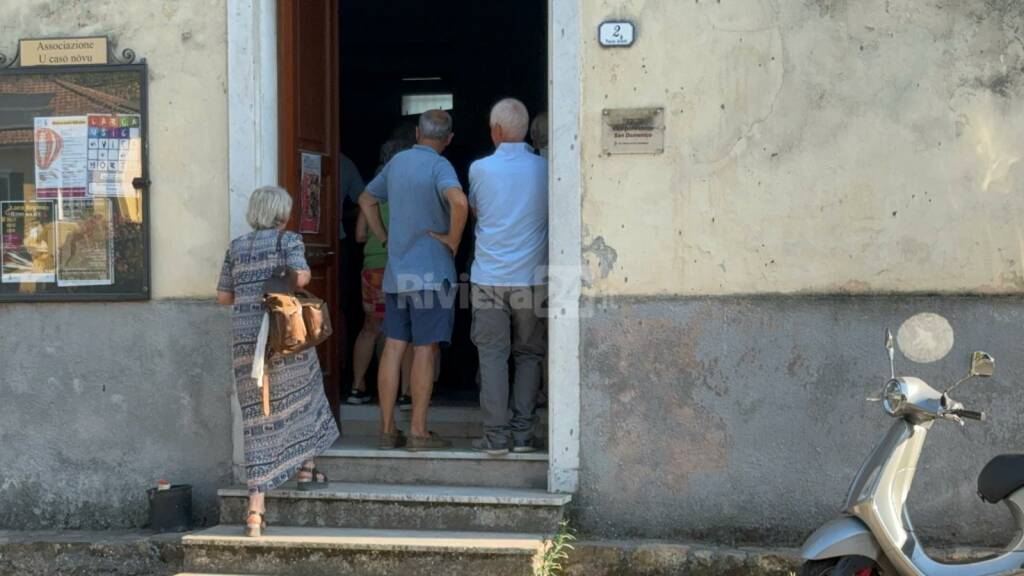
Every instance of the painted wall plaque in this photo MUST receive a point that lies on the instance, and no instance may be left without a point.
(618, 34)
(633, 131)
(63, 51)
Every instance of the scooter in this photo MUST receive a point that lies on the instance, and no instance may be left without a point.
(874, 534)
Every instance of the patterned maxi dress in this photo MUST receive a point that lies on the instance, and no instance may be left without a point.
(300, 425)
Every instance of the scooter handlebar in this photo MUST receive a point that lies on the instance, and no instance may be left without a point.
(969, 414)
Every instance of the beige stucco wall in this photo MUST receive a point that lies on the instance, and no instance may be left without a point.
(185, 44)
(812, 146)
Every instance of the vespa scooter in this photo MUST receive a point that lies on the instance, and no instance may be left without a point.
(874, 534)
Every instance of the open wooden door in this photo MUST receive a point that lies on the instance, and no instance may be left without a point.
(308, 132)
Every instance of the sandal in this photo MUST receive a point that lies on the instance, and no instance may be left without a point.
(318, 480)
(255, 530)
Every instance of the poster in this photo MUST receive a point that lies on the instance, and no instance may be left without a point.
(309, 194)
(85, 240)
(114, 154)
(28, 242)
(59, 147)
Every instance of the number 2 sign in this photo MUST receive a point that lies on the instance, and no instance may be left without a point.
(617, 34)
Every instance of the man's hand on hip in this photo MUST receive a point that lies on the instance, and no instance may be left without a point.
(448, 240)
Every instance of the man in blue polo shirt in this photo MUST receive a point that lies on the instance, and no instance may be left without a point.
(427, 213)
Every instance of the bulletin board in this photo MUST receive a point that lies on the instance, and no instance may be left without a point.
(74, 186)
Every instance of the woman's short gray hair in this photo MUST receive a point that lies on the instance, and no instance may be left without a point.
(513, 118)
(269, 207)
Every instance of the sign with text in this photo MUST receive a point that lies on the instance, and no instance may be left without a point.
(633, 131)
(616, 34)
(63, 51)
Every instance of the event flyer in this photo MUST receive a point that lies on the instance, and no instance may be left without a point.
(115, 154)
(59, 144)
(85, 235)
(28, 242)
(309, 194)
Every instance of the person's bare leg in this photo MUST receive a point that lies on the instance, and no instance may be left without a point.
(254, 518)
(362, 351)
(422, 386)
(388, 382)
(406, 371)
(256, 502)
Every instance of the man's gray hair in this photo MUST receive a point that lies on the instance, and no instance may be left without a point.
(435, 125)
(539, 131)
(269, 207)
(512, 116)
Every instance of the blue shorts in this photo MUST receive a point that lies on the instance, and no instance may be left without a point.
(423, 317)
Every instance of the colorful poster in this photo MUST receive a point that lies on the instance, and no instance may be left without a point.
(28, 242)
(309, 194)
(115, 154)
(85, 240)
(60, 156)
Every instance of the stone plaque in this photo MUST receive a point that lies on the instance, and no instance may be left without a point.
(633, 131)
(63, 51)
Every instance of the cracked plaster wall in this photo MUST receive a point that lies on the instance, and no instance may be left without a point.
(811, 146)
(185, 43)
(743, 419)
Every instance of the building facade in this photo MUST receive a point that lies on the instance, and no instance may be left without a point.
(829, 170)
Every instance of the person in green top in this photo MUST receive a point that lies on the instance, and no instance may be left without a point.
(375, 260)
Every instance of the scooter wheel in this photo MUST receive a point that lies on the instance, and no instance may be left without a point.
(831, 567)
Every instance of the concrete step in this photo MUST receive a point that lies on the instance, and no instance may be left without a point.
(357, 459)
(344, 552)
(448, 421)
(398, 507)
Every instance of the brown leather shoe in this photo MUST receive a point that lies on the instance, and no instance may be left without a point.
(391, 440)
(431, 442)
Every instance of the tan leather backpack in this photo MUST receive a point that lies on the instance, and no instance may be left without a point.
(298, 320)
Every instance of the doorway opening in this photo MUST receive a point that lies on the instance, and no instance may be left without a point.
(398, 58)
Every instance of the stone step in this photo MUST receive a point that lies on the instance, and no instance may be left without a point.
(399, 507)
(344, 552)
(448, 421)
(357, 459)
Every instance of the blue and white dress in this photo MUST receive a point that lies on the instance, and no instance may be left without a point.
(300, 425)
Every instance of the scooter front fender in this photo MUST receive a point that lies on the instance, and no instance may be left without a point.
(844, 536)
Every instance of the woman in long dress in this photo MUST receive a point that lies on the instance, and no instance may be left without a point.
(300, 425)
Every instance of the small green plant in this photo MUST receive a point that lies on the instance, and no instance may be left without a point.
(556, 551)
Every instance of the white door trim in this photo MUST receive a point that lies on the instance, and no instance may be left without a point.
(252, 102)
(252, 124)
(252, 130)
(564, 234)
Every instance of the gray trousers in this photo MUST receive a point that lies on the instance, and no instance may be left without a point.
(508, 321)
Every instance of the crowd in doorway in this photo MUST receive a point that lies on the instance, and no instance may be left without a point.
(412, 216)
(413, 213)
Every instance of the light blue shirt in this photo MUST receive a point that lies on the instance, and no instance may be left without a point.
(509, 190)
(413, 184)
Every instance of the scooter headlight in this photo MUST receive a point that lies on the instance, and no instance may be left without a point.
(894, 397)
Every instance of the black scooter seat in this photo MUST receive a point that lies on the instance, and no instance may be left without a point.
(1002, 476)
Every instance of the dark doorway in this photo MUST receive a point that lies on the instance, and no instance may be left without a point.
(425, 51)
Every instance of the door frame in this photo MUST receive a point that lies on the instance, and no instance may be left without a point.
(253, 160)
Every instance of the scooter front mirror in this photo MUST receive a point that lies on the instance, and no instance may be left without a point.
(982, 364)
